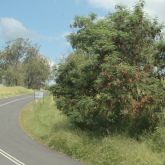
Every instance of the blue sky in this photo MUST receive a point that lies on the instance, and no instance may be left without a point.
(46, 22)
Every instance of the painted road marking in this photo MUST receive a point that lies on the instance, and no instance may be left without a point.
(13, 101)
(11, 158)
(5, 154)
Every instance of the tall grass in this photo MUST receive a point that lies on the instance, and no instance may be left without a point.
(12, 91)
(46, 124)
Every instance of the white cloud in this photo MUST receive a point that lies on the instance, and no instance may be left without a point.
(156, 8)
(109, 4)
(153, 7)
(11, 28)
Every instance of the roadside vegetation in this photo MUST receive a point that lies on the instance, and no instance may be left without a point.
(109, 96)
(43, 122)
(113, 82)
(13, 91)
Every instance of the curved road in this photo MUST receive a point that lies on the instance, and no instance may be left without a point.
(16, 148)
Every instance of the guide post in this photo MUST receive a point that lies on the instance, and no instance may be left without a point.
(38, 95)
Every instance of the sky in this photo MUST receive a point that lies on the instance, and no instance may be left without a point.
(47, 22)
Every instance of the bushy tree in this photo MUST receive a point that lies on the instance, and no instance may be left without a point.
(108, 81)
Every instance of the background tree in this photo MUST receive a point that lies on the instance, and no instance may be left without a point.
(21, 64)
(11, 61)
(36, 71)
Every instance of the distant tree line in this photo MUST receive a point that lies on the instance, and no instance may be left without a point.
(21, 64)
(109, 83)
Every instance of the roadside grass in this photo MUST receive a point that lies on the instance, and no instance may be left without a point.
(12, 91)
(43, 122)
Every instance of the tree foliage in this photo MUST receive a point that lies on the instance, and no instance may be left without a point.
(107, 83)
(36, 71)
(20, 63)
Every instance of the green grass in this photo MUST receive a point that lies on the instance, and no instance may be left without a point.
(49, 126)
(12, 91)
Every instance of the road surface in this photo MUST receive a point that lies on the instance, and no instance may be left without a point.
(16, 148)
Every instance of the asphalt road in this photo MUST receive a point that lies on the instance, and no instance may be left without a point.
(16, 148)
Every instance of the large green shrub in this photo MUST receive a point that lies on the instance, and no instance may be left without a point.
(107, 83)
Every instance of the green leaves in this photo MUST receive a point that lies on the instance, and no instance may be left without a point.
(36, 71)
(107, 83)
(21, 64)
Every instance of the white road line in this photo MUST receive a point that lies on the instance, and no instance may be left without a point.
(13, 101)
(11, 158)
(5, 154)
